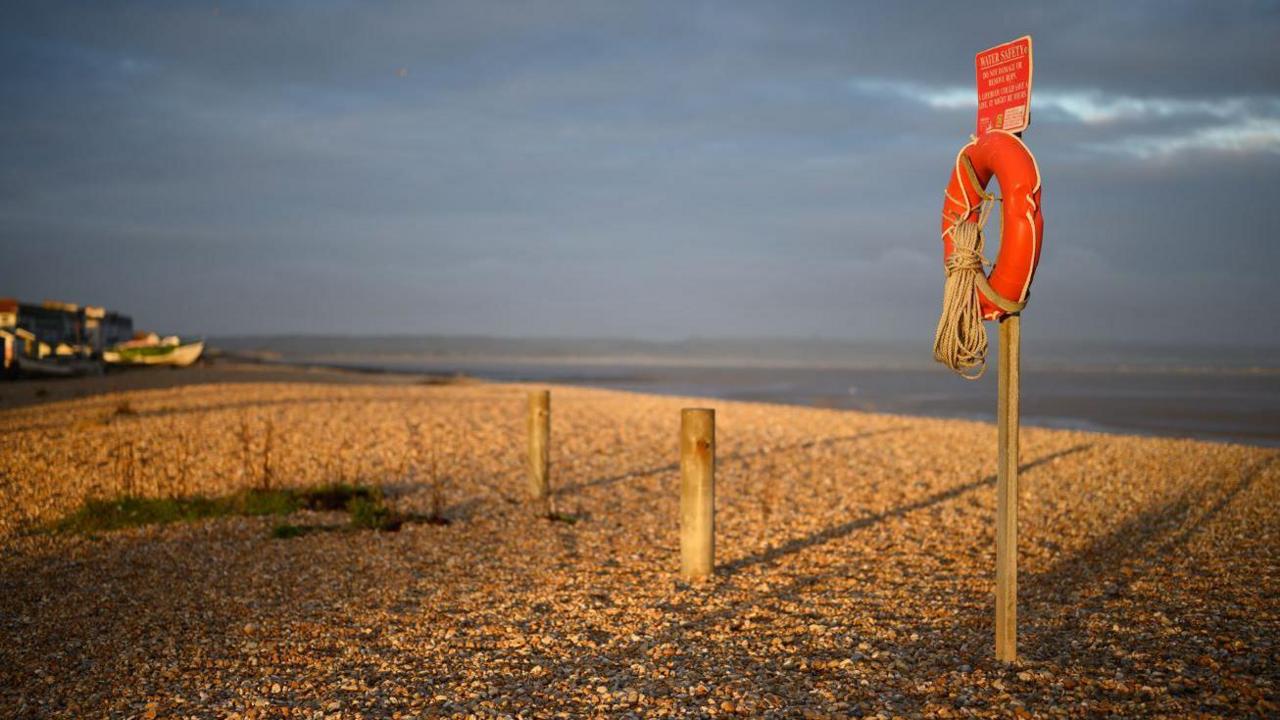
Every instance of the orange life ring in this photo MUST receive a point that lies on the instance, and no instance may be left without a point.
(1003, 155)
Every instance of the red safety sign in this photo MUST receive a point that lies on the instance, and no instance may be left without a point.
(1004, 86)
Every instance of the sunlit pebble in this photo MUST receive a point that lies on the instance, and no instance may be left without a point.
(1147, 586)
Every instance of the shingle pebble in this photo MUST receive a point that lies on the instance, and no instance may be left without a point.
(855, 565)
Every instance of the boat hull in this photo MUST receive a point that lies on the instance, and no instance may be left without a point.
(178, 356)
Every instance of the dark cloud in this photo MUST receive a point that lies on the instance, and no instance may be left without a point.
(591, 168)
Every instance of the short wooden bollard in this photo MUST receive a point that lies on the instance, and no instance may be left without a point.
(1007, 491)
(697, 493)
(539, 444)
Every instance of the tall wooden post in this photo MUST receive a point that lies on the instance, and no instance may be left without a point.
(1007, 491)
(539, 444)
(697, 493)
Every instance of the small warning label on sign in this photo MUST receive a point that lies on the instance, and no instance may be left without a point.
(1004, 86)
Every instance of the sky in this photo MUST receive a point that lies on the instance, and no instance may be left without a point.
(648, 170)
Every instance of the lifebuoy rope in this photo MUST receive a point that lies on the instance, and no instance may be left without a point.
(960, 342)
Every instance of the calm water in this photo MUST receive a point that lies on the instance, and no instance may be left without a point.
(1223, 406)
(1233, 396)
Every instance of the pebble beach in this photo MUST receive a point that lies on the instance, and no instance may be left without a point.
(854, 562)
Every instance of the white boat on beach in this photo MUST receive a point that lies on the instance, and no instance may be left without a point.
(170, 351)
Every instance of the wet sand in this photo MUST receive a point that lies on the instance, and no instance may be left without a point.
(855, 563)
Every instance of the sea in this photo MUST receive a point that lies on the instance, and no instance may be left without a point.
(1210, 393)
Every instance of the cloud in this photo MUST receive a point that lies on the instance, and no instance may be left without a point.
(1251, 135)
(1091, 107)
(1235, 124)
(953, 97)
(1096, 108)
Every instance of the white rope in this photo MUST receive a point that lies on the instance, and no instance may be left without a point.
(960, 341)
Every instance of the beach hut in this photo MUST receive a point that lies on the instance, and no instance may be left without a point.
(8, 347)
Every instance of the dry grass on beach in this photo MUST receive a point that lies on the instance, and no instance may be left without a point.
(855, 556)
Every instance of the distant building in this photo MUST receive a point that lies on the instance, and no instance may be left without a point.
(58, 328)
(53, 323)
(103, 329)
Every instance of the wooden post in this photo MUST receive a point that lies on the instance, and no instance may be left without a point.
(697, 493)
(1007, 492)
(539, 444)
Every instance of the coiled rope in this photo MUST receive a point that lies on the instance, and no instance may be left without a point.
(960, 342)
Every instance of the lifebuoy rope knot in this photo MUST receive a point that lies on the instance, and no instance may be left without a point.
(964, 259)
(969, 296)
